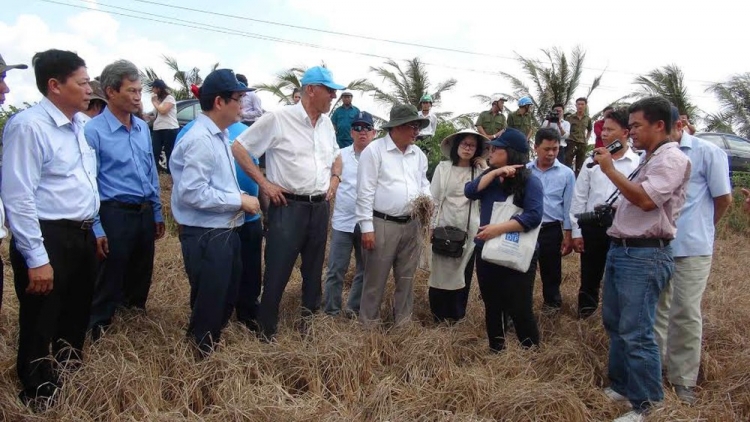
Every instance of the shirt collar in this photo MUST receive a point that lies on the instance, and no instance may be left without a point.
(390, 145)
(554, 165)
(115, 124)
(210, 125)
(57, 116)
(300, 112)
(629, 155)
(686, 141)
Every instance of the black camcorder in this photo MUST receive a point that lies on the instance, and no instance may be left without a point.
(602, 216)
(612, 148)
(553, 116)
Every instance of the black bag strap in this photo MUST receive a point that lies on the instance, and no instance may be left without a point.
(468, 220)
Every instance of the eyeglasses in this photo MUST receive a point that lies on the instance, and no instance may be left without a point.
(238, 99)
(467, 146)
(361, 128)
(413, 126)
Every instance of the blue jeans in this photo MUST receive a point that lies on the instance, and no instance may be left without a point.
(338, 262)
(633, 281)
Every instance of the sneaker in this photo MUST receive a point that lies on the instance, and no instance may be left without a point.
(632, 416)
(686, 394)
(614, 395)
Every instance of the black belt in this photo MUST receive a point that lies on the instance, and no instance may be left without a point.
(641, 242)
(400, 219)
(551, 224)
(70, 224)
(127, 206)
(305, 198)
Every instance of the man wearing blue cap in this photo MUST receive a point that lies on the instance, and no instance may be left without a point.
(303, 168)
(346, 233)
(210, 207)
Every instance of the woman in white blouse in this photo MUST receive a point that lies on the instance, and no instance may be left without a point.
(166, 126)
(450, 278)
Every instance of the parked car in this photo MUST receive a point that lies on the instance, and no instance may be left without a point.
(187, 110)
(737, 149)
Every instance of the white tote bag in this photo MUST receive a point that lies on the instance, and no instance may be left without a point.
(512, 250)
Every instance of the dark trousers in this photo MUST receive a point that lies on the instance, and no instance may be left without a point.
(509, 292)
(59, 318)
(593, 261)
(2, 269)
(125, 275)
(214, 268)
(550, 263)
(251, 239)
(299, 228)
(575, 150)
(163, 139)
(450, 305)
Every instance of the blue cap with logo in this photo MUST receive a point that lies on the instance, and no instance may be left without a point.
(513, 139)
(363, 117)
(319, 75)
(222, 80)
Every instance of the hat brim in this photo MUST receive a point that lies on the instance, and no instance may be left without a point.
(12, 66)
(447, 144)
(423, 121)
(99, 97)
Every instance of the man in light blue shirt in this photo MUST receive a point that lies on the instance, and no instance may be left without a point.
(209, 206)
(555, 240)
(130, 218)
(51, 197)
(679, 324)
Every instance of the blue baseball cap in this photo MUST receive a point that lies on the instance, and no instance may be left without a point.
(222, 80)
(363, 117)
(319, 75)
(513, 139)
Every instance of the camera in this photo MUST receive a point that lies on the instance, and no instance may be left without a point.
(613, 148)
(553, 116)
(602, 216)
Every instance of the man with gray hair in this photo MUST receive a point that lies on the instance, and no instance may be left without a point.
(130, 216)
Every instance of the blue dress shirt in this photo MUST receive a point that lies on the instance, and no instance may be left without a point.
(533, 205)
(247, 184)
(559, 183)
(49, 173)
(205, 192)
(126, 168)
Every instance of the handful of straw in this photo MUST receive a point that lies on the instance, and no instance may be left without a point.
(421, 210)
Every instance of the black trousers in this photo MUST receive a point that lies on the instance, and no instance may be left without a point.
(58, 319)
(450, 305)
(2, 269)
(251, 239)
(299, 228)
(550, 263)
(593, 261)
(509, 292)
(163, 139)
(214, 268)
(125, 275)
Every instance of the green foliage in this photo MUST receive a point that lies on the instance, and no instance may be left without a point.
(734, 98)
(735, 221)
(431, 146)
(668, 82)
(407, 85)
(6, 114)
(184, 78)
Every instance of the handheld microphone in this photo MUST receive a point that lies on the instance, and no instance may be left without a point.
(612, 148)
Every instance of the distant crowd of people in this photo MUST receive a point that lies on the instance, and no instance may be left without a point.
(81, 194)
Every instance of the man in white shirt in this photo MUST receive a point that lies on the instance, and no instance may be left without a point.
(426, 104)
(251, 106)
(594, 188)
(51, 196)
(346, 233)
(392, 173)
(303, 170)
(562, 127)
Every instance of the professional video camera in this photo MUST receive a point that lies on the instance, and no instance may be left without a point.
(602, 216)
(553, 116)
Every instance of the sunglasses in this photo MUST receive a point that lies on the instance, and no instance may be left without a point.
(361, 128)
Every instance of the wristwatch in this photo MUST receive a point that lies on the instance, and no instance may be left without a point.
(337, 176)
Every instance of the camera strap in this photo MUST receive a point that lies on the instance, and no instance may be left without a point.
(616, 194)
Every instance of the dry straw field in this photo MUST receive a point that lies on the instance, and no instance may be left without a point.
(143, 369)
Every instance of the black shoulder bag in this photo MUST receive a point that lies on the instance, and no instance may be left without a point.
(448, 240)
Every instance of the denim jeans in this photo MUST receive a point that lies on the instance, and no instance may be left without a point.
(339, 256)
(633, 280)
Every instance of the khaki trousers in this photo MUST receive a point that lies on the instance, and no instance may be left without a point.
(679, 324)
(397, 246)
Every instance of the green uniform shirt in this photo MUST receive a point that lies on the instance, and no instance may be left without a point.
(522, 122)
(578, 128)
(491, 123)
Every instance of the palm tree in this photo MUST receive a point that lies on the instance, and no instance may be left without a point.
(668, 82)
(407, 85)
(183, 78)
(287, 80)
(734, 98)
(554, 80)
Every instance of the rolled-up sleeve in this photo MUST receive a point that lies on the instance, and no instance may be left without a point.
(196, 188)
(664, 177)
(533, 205)
(23, 155)
(471, 189)
(367, 182)
(717, 173)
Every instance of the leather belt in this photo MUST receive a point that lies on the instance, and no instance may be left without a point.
(551, 224)
(127, 206)
(71, 224)
(305, 198)
(397, 219)
(641, 242)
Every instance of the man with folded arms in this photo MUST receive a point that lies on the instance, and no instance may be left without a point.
(391, 174)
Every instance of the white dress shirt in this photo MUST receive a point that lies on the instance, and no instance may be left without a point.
(344, 211)
(389, 180)
(299, 156)
(593, 187)
(251, 108)
(49, 173)
(565, 130)
(429, 130)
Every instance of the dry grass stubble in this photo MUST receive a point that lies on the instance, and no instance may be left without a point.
(143, 368)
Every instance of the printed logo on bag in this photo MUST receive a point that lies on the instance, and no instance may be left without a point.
(514, 237)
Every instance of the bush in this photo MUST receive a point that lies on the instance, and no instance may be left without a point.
(431, 146)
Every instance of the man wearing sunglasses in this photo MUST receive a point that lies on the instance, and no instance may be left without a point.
(391, 175)
(346, 233)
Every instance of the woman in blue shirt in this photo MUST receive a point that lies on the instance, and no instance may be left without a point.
(507, 292)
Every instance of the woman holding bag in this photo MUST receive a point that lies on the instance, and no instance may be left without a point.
(507, 291)
(451, 273)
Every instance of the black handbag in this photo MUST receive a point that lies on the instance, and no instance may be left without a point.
(448, 240)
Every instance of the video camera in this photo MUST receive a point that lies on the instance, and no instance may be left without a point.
(612, 148)
(553, 116)
(602, 216)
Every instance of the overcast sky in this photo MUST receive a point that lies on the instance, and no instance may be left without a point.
(623, 39)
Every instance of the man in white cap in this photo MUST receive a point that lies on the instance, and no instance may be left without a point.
(491, 123)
